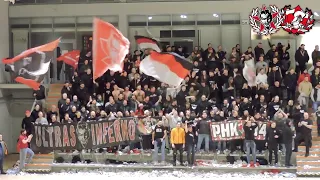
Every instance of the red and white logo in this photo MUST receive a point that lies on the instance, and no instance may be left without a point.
(297, 21)
(266, 20)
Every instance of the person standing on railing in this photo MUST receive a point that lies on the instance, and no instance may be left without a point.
(159, 141)
(40, 96)
(249, 129)
(23, 142)
(177, 139)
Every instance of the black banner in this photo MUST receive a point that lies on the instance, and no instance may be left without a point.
(85, 135)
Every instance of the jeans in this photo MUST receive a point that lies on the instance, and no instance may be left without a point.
(251, 145)
(1, 165)
(190, 154)
(283, 148)
(23, 156)
(206, 139)
(315, 105)
(222, 145)
(162, 145)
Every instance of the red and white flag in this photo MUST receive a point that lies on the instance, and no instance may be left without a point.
(147, 43)
(110, 48)
(71, 58)
(169, 68)
(31, 66)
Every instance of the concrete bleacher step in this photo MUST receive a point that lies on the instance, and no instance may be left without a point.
(309, 158)
(309, 163)
(41, 156)
(309, 169)
(41, 163)
(314, 148)
(54, 94)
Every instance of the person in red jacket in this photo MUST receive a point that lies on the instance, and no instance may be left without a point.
(303, 75)
(24, 149)
(139, 112)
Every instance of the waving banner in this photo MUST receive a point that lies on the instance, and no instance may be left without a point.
(230, 130)
(85, 135)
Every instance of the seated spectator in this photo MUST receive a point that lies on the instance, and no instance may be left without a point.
(41, 120)
(78, 117)
(73, 112)
(92, 104)
(54, 120)
(53, 111)
(66, 119)
(92, 116)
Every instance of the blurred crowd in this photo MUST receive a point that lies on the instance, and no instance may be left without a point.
(214, 91)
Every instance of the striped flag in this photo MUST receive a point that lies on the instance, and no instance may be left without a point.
(169, 68)
(147, 43)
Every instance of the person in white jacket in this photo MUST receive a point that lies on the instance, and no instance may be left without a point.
(262, 78)
(315, 97)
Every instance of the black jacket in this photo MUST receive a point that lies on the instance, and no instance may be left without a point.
(301, 59)
(290, 81)
(41, 93)
(258, 52)
(27, 124)
(249, 131)
(272, 141)
(287, 135)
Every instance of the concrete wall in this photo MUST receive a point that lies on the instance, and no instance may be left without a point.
(8, 125)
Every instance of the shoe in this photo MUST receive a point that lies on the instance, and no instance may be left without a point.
(3, 173)
(218, 152)
(306, 155)
(174, 164)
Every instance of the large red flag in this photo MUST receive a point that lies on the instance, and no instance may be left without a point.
(109, 48)
(71, 58)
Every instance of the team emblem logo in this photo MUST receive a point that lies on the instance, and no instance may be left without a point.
(297, 21)
(266, 20)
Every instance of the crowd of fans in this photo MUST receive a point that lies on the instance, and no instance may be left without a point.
(214, 91)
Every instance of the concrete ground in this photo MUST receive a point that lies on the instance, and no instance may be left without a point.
(10, 160)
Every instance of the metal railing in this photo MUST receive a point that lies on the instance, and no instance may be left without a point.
(26, 2)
